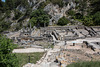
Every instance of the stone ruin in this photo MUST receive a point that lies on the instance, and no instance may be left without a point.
(55, 34)
(71, 32)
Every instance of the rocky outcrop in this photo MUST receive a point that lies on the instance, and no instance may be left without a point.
(56, 12)
(21, 8)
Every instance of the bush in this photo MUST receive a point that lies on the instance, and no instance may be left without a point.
(7, 58)
(78, 16)
(63, 21)
(88, 21)
(71, 12)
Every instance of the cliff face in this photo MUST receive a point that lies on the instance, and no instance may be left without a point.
(22, 11)
(54, 11)
(16, 13)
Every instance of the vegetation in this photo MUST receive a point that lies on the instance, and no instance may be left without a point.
(39, 18)
(77, 1)
(96, 18)
(18, 14)
(71, 12)
(95, 6)
(89, 15)
(7, 58)
(43, 4)
(86, 64)
(59, 2)
(63, 21)
(87, 11)
(33, 21)
(4, 26)
(24, 58)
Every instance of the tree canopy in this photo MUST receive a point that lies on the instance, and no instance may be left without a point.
(39, 17)
(7, 58)
(63, 21)
(96, 18)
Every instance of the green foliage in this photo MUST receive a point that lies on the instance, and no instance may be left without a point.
(7, 58)
(78, 16)
(77, 1)
(18, 14)
(88, 21)
(12, 4)
(71, 12)
(33, 21)
(96, 18)
(9, 4)
(4, 26)
(63, 21)
(95, 5)
(43, 4)
(1, 4)
(40, 17)
(59, 2)
(86, 64)
(83, 6)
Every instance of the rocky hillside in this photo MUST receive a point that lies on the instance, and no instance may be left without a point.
(15, 14)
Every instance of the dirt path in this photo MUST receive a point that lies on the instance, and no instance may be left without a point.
(28, 50)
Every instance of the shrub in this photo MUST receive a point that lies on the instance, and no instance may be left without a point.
(63, 21)
(78, 16)
(71, 12)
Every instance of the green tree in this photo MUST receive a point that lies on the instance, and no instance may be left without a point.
(95, 4)
(33, 21)
(96, 18)
(77, 1)
(41, 17)
(4, 25)
(1, 3)
(7, 58)
(88, 21)
(83, 6)
(63, 21)
(10, 4)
